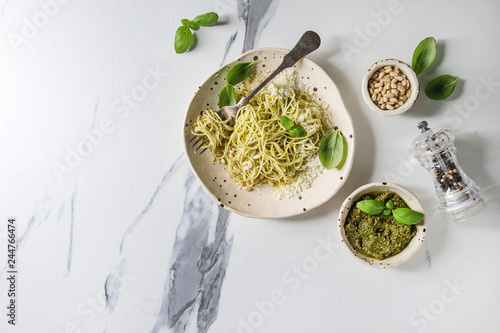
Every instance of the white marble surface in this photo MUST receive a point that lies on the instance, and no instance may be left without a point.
(114, 233)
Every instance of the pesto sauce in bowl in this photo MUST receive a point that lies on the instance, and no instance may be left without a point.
(378, 236)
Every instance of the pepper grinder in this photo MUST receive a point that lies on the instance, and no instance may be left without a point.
(458, 197)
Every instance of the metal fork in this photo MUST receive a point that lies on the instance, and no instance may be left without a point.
(309, 42)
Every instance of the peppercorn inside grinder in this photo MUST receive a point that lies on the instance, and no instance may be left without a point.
(458, 196)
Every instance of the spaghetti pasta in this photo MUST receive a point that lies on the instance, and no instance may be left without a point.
(258, 149)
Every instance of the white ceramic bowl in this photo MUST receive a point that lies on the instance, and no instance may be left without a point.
(412, 202)
(410, 74)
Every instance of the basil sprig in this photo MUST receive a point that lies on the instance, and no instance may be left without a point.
(184, 36)
(441, 87)
(235, 75)
(332, 150)
(401, 215)
(295, 130)
(424, 55)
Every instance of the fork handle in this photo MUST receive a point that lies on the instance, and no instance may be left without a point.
(309, 42)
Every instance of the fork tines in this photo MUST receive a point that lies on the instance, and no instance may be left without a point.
(199, 146)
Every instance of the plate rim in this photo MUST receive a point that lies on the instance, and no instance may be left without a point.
(268, 216)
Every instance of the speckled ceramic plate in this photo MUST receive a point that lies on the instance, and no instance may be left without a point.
(261, 202)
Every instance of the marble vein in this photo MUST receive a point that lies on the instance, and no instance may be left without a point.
(31, 223)
(202, 248)
(428, 259)
(112, 286)
(70, 246)
(40, 215)
(228, 47)
(256, 14)
(178, 162)
(94, 114)
(198, 263)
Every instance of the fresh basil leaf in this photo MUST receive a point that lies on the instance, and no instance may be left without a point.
(207, 19)
(239, 72)
(286, 122)
(441, 87)
(407, 216)
(387, 212)
(193, 25)
(297, 131)
(389, 204)
(331, 150)
(371, 207)
(344, 152)
(424, 55)
(183, 39)
(185, 22)
(227, 96)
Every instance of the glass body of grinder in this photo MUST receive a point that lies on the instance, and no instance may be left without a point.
(457, 195)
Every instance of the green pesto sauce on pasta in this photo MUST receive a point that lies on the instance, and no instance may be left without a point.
(258, 149)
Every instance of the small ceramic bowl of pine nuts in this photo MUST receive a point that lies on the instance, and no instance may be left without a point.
(390, 87)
